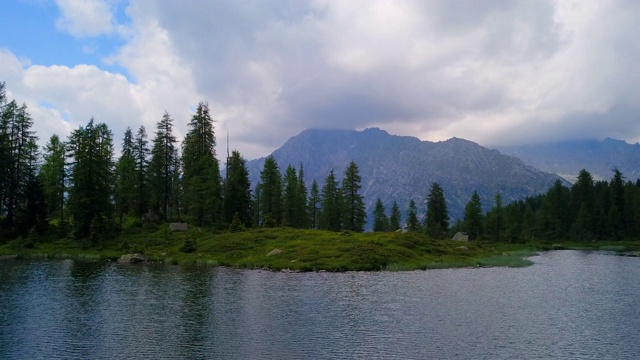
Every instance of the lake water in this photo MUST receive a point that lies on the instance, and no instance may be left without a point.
(569, 305)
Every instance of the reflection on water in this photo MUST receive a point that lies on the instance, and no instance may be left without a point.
(568, 305)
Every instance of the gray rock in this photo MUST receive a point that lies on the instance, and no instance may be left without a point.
(8, 257)
(274, 252)
(178, 226)
(460, 236)
(462, 248)
(133, 258)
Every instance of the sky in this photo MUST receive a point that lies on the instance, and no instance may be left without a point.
(495, 72)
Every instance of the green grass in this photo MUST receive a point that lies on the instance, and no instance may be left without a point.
(301, 250)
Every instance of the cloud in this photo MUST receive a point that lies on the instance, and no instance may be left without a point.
(495, 72)
(85, 18)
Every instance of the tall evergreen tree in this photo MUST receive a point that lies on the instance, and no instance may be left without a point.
(201, 170)
(583, 204)
(437, 220)
(91, 153)
(164, 170)
(330, 213)
(314, 205)
(290, 197)
(496, 218)
(237, 191)
(353, 210)
(53, 176)
(412, 217)
(473, 216)
(302, 216)
(394, 217)
(271, 192)
(141, 156)
(380, 220)
(125, 196)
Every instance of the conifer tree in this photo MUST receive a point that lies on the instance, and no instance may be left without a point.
(473, 216)
(330, 213)
(201, 171)
(412, 217)
(53, 176)
(380, 220)
(271, 192)
(141, 158)
(496, 218)
(353, 210)
(437, 220)
(91, 152)
(237, 191)
(394, 217)
(164, 170)
(290, 197)
(126, 178)
(314, 205)
(302, 216)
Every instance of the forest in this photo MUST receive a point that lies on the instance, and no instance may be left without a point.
(76, 188)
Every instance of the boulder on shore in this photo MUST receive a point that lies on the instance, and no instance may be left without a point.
(460, 236)
(133, 258)
(274, 252)
(8, 257)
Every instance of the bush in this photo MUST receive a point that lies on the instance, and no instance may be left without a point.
(189, 246)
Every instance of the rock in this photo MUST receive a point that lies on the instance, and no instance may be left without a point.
(133, 258)
(462, 248)
(274, 252)
(460, 236)
(557, 247)
(178, 226)
(8, 257)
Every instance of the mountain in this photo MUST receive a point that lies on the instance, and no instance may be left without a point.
(569, 157)
(402, 168)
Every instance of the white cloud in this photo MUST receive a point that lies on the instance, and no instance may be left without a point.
(83, 18)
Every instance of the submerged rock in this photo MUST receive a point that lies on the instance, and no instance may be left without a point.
(133, 258)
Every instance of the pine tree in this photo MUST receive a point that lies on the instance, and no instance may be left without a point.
(237, 191)
(473, 216)
(437, 220)
(164, 170)
(201, 171)
(394, 217)
(412, 217)
(92, 173)
(53, 176)
(314, 205)
(141, 157)
(353, 210)
(302, 216)
(290, 197)
(380, 220)
(126, 178)
(496, 218)
(329, 217)
(271, 191)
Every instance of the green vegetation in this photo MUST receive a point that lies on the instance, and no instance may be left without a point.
(301, 250)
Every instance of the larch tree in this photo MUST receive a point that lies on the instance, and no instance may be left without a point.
(270, 193)
(380, 219)
(53, 177)
(395, 217)
(237, 191)
(330, 213)
(353, 210)
(437, 220)
(314, 205)
(201, 170)
(164, 169)
(473, 216)
(290, 197)
(140, 185)
(125, 174)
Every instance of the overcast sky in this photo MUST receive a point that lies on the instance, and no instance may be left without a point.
(494, 72)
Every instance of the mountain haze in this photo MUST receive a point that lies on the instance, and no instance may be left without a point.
(402, 168)
(567, 158)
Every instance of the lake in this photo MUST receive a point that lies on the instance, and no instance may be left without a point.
(568, 305)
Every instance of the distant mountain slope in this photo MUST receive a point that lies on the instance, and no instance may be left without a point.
(402, 168)
(569, 157)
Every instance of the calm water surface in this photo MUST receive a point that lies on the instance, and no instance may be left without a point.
(569, 305)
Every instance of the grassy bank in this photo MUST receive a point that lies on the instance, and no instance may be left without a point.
(298, 250)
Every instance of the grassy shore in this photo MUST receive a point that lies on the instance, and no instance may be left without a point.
(295, 249)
